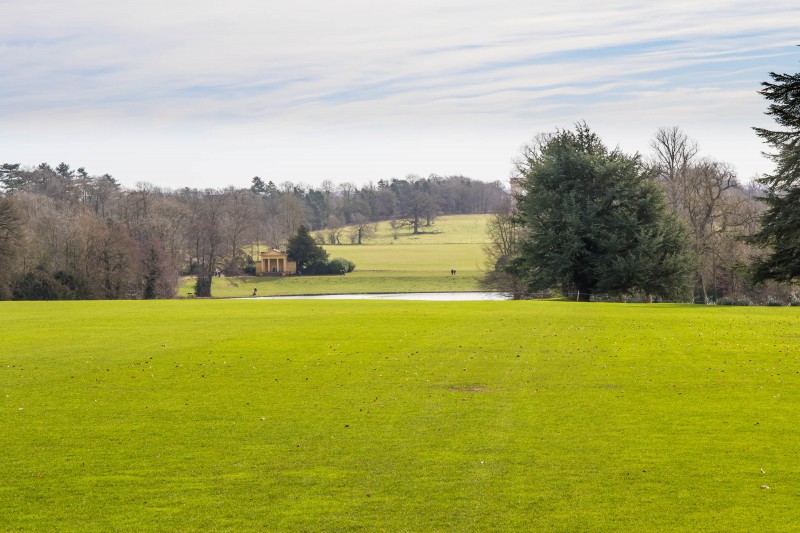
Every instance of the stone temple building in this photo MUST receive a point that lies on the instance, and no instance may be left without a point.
(275, 263)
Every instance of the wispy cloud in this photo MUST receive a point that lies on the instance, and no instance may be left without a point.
(355, 68)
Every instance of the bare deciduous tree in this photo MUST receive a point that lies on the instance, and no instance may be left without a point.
(334, 230)
(237, 227)
(674, 155)
(10, 236)
(503, 233)
(707, 195)
(361, 229)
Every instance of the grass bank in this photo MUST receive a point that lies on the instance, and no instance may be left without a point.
(387, 416)
(387, 263)
(358, 282)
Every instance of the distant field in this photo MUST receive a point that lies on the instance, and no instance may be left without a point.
(410, 263)
(234, 415)
(357, 282)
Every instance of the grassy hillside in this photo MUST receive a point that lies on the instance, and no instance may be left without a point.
(388, 416)
(409, 263)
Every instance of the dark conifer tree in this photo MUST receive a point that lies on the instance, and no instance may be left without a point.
(596, 222)
(780, 223)
(305, 251)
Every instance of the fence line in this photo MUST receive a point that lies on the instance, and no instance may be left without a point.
(576, 296)
(724, 301)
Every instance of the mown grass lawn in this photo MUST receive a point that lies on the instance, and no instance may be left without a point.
(388, 416)
(358, 282)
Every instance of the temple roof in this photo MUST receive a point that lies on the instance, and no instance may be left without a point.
(273, 253)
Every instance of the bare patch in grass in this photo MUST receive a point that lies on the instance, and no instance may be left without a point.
(466, 388)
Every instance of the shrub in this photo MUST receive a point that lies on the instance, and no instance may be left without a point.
(334, 266)
(340, 266)
(317, 268)
(729, 300)
(774, 302)
(348, 265)
(250, 266)
(75, 286)
(42, 285)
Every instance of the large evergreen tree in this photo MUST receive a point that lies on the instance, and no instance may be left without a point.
(303, 249)
(596, 222)
(780, 223)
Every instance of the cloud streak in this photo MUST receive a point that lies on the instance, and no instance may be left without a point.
(324, 70)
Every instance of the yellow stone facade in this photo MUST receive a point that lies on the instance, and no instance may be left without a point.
(275, 263)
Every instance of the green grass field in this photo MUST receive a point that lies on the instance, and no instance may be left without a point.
(358, 282)
(451, 242)
(193, 415)
(410, 263)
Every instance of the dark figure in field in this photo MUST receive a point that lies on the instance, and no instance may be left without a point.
(255, 290)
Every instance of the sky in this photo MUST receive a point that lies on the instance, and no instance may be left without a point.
(198, 93)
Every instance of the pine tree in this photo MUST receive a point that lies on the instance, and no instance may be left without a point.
(303, 249)
(596, 222)
(780, 223)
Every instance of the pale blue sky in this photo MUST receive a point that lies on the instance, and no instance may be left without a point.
(192, 93)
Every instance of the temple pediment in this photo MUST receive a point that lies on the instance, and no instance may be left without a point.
(275, 262)
(274, 253)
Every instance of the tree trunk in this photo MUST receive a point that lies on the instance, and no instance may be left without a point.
(584, 294)
(703, 291)
(202, 288)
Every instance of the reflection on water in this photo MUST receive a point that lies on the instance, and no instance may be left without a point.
(423, 296)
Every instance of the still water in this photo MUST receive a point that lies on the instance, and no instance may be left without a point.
(422, 296)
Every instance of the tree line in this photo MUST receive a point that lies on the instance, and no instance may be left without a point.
(67, 234)
(584, 219)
